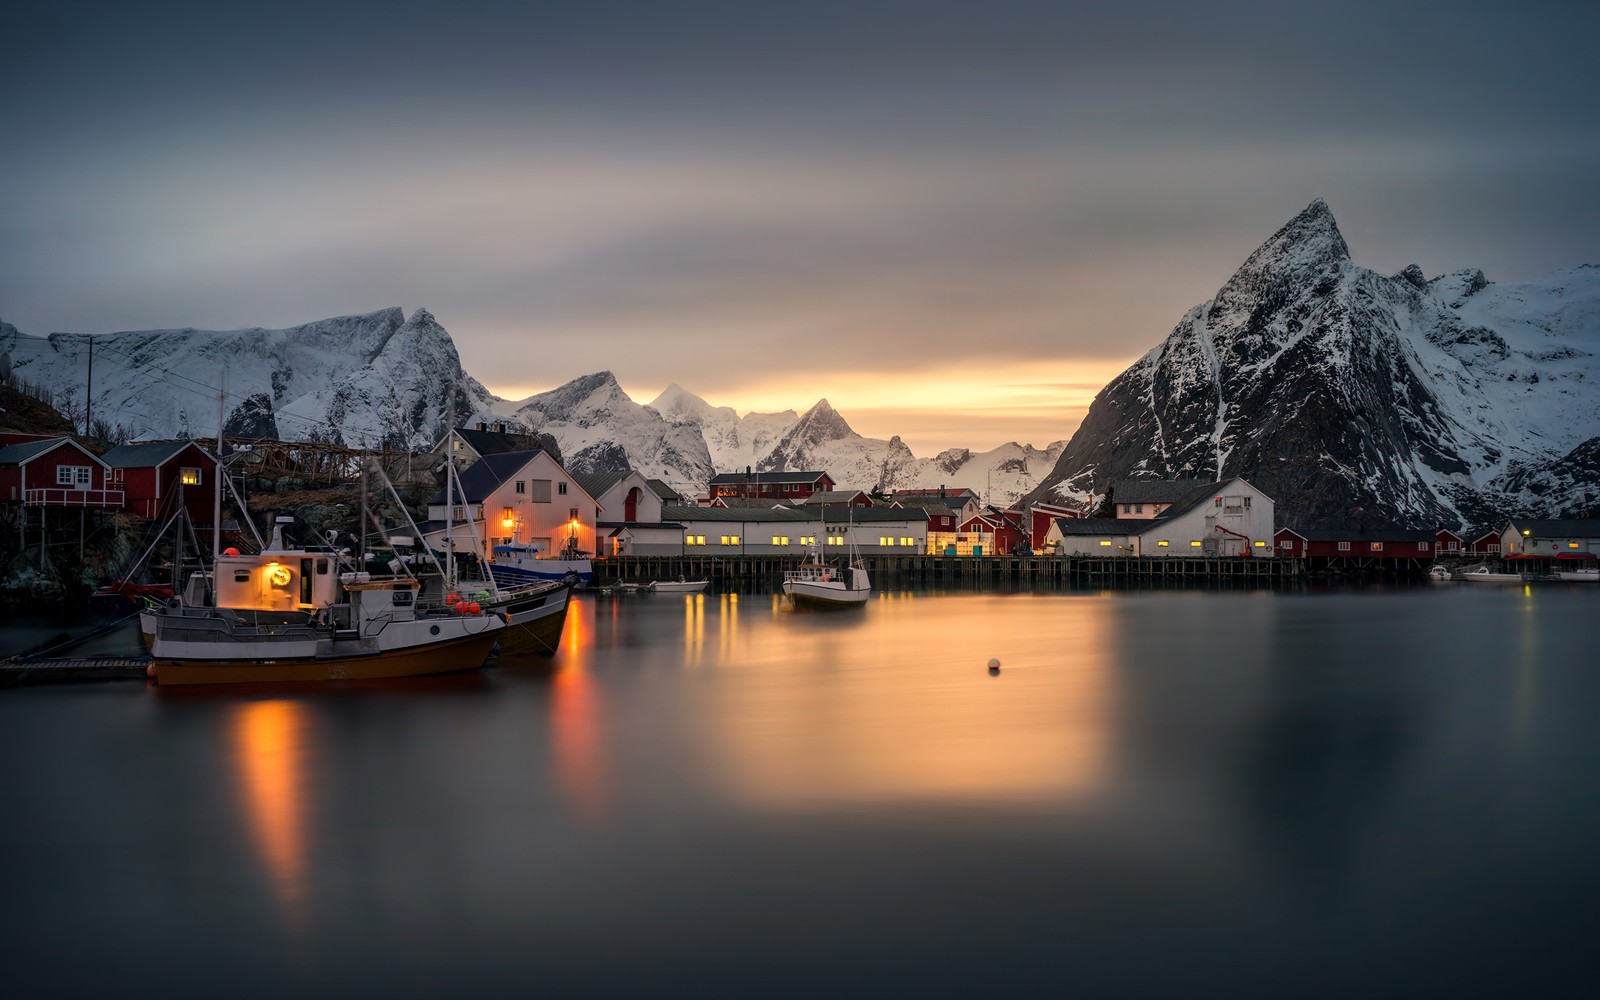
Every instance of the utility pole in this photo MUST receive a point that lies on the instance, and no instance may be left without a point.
(88, 392)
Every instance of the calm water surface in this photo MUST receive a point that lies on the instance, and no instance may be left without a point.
(1392, 793)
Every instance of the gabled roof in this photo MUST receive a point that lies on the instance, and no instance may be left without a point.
(934, 493)
(487, 443)
(1199, 493)
(1566, 528)
(1154, 490)
(22, 454)
(146, 454)
(932, 508)
(665, 492)
(741, 478)
(750, 502)
(487, 475)
(597, 483)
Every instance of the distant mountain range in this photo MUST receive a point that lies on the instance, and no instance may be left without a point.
(1355, 398)
(1351, 397)
(382, 380)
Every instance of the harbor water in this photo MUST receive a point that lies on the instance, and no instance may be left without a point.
(1384, 792)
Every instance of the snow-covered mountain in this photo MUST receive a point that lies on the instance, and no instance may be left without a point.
(373, 380)
(1353, 397)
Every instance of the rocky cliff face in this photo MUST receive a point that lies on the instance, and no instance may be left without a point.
(1356, 398)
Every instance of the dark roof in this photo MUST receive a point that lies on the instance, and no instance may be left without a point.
(740, 478)
(683, 512)
(619, 525)
(487, 474)
(931, 507)
(665, 492)
(146, 454)
(21, 454)
(833, 496)
(868, 515)
(752, 502)
(933, 492)
(487, 443)
(1567, 528)
(1365, 534)
(1100, 525)
(1153, 490)
(596, 483)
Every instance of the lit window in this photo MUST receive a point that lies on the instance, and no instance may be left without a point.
(1105, 542)
(1375, 547)
(189, 476)
(808, 539)
(725, 540)
(1261, 545)
(835, 539)
(572, 513)
(1194, 545)
(694, 539)
(1570, 545)
(780, 539)
(1162, 544)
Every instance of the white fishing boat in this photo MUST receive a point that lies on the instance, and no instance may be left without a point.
(678, 586)
(818, 583)
(519, 565)
(1483, 574)
(1590, 574)
(1440, 573)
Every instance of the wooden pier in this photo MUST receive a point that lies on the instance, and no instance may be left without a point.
(54, 670)
(765, 573)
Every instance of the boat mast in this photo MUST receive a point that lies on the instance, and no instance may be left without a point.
(216, 492)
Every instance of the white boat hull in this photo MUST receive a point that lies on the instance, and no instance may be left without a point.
(678, 586)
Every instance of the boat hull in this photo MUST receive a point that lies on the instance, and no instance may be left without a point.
(821, 596)
(679, 586)
(536, 629)
(458, 653)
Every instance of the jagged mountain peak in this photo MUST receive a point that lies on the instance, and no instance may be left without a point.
(1307, 251)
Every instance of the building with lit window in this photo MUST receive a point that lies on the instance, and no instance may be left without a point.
(157, 476)
(520, 498)
(1228, 518)
(1532, 537)
(749, 484)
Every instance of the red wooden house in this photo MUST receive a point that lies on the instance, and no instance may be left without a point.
(1003, 528)
(770, 485)
(54, 472)
(1368, 543)
(1040, 516)
(158, 475)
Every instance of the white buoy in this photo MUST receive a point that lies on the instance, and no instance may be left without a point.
(994, 665)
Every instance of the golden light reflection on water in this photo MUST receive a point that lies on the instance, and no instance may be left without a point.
(576, 733)
(880, 706)
(269, 739)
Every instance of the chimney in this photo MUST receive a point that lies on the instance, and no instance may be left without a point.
(482, 426)
(941, 491)
(499, 428)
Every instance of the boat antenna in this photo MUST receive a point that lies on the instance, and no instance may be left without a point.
(216, 502)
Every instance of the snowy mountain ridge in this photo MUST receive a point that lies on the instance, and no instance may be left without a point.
(1353, 397)
(382, 380)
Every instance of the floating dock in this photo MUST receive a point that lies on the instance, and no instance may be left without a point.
(55, 670)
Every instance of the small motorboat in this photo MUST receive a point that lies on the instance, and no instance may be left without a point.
(678, 586)
(1483, 574)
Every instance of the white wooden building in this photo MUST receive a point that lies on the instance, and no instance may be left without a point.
(1228, 518)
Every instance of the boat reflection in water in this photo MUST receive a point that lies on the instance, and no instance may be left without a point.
(269, 737)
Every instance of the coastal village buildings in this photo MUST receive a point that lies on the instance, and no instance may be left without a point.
(513, 498)
(1228, 518)
(1535, 537)
(630, 521)
(55, 472)
(158, 476)
(1366, 544)
(751, 485)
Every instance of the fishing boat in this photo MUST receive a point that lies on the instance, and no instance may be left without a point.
(375, 629)
(818, 583)
(1590, 574)
(1483, 574)
(678, 586)
(519, 565)
(1440, 573)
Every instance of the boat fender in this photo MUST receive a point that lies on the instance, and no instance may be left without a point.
(473, 608)
(507, 616)
(452, 599)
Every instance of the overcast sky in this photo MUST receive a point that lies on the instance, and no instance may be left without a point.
(956, 221)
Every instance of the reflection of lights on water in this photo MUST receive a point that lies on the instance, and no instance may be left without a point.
(694, 629)
(914, 714)
(267, 753)
(575, 730)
